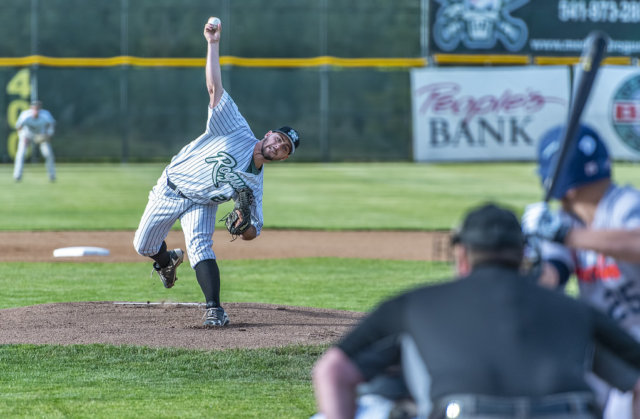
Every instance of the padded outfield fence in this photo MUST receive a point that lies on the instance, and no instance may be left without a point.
(125, 79)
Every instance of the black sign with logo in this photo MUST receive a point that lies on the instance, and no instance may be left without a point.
(528, 27)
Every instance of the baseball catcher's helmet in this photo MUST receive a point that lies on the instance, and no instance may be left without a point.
(587, 161)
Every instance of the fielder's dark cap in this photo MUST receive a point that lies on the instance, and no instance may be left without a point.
(36, 103)
(490, 227)
(587, 161)
(292, 135)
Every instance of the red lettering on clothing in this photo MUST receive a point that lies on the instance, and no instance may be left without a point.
(601, 271)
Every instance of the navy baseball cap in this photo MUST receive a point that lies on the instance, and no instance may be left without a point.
(587, 161)
(490, 227)
(292, 135)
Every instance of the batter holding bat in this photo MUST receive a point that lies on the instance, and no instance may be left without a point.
(224, 163)
(595, 235)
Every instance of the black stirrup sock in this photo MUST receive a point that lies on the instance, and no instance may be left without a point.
(163, 257)
(208, 276)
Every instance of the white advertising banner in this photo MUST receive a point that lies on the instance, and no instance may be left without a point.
(485, 114)
(613, 110)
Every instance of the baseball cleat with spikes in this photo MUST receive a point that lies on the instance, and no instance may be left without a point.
(168, 274)
(215, 316)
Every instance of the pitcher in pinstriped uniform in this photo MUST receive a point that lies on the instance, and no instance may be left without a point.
(206, 172)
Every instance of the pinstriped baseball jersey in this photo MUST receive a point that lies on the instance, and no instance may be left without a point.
(220, 161)
(611, 285)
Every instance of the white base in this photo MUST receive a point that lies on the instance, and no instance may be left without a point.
(77, 251)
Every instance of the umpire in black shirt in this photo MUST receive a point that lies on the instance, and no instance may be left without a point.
(492, 344)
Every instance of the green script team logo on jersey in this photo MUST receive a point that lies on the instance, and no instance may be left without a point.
(625, 112)
(223, 165)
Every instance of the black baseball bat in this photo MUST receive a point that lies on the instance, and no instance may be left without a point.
(594, 50)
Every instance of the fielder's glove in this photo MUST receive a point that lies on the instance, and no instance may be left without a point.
(40, 138)
(539, 221)
(239, 220)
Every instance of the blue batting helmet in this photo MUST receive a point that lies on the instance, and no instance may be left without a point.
(587, 160)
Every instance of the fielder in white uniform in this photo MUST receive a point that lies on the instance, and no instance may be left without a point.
(207, 171)
(35, 125)
(595, 236)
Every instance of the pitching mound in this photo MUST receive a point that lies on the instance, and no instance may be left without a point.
(172, 325)
(179, 325)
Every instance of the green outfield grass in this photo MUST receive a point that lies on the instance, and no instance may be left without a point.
(120, 381)
(306, 196)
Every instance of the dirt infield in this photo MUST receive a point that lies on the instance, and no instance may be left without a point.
(395, 245)
(177, 325)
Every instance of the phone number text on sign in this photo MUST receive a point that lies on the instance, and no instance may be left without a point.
(604, 11)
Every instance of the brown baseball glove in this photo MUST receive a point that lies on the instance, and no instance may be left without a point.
(239, 220)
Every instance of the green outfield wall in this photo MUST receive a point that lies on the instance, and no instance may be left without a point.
(125, 78)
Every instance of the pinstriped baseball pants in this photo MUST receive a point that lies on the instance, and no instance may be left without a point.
(164, 208)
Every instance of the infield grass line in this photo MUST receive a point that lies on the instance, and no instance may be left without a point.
(333, 283)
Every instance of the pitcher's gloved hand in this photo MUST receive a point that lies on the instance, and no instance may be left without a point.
(239, 220)
(540, 221)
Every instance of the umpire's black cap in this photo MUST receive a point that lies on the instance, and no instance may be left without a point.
(292, 135)
(490, 227)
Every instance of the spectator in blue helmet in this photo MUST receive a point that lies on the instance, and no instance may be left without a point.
(594, 235)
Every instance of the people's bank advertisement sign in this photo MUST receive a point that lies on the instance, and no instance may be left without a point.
(485, 114)
(528, 27)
